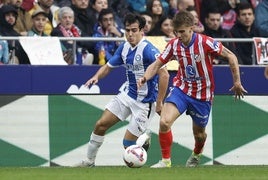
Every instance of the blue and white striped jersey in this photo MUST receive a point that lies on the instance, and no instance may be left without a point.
(136, 60)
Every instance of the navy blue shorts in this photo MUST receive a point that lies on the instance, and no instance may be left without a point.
(198, 110)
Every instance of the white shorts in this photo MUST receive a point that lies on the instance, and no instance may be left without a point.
(141, 113)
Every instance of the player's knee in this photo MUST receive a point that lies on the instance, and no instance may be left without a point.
(100, 127)
(164, 125)
(200, 136)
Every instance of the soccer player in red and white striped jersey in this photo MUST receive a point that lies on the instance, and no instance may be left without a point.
(193, 86)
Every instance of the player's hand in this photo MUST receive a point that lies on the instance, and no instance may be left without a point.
(141, 82)
(112, 29)
(158, 108)
(91, 81)
(238, 90)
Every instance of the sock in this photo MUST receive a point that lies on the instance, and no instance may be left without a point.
(166, 140)
(198, 148)
(93, 146)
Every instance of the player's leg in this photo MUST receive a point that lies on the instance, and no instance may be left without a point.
(200, 139)
(168, 115)
(114, 112)
(138, 131)
(199, 112)
(174, 106)
(107, 120)
(144, 139)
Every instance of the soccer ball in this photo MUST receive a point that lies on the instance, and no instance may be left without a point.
(135, 156)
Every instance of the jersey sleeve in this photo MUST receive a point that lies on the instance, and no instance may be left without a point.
(116, 59)
(151, 53)
(167, 54)
(213, 46)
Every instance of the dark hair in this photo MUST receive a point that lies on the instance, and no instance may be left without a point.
(104, 12)
(191, 8)
(92, 2)
(212, 11)
(149, 6)
(145, 13)
(157, 31)
(133, 18)
(9, 9)
(162, 19)
(243, 6)
(183, 18)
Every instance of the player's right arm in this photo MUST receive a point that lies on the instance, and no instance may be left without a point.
(163, 79)
(150, 72)
(101, 73)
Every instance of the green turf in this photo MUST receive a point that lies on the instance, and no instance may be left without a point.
(144, 173)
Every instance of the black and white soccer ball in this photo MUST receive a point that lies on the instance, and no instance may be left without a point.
(135, 156)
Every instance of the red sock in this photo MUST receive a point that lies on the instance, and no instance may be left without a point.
(166, 140)
(198, 148)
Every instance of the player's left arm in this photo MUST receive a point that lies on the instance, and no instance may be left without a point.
(163, 79)
(237, 88)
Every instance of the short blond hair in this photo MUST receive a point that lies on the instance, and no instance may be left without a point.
(183, 18)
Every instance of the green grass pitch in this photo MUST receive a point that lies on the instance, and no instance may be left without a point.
(206, 172)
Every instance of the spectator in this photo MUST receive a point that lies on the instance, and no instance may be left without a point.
(149, 20)
(183, 4)
(179, 5)
(155, 9)
(244, 28)
(84, 21)
(7, 21)
(39, 20)
(52, 11)
(106, 28)
(24, 20)
(98, 5)
(173, 7)
(261, 14)
(213, 29)
(198, 26)
(121, 8)
(163, 27)
(4, 52)
(67, 28)
(226, 9)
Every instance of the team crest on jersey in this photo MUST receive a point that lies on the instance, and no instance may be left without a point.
(197, 57)
(213, 44)
(138, 57)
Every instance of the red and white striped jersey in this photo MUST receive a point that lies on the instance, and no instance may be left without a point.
(195, 74)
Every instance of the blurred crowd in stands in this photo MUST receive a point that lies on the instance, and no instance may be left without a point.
(104, 18)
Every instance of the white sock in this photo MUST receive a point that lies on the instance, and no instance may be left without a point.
(93, 146)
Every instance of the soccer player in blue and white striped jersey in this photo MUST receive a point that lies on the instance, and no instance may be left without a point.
(136, 54)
